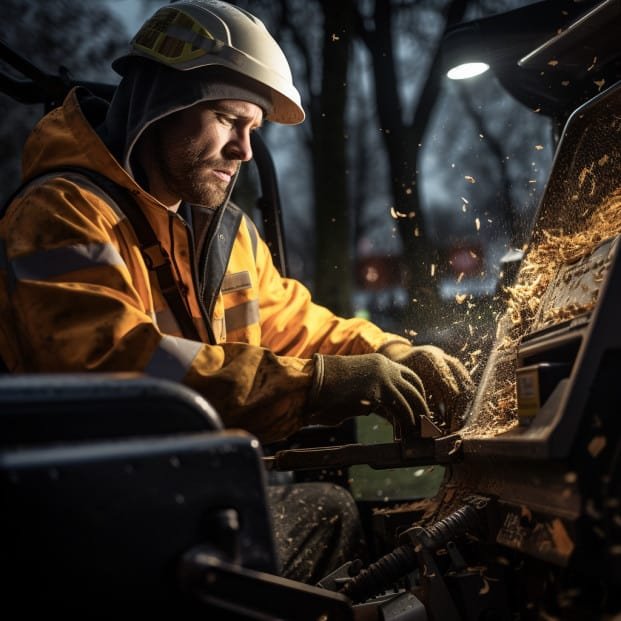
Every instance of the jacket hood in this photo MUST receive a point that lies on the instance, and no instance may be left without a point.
(65, 137)
(150, 91)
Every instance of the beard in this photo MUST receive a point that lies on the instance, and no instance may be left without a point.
(187, 172)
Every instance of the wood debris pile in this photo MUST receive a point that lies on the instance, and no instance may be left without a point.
(497, 408)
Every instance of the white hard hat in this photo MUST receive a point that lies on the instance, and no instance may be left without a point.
(190, 34)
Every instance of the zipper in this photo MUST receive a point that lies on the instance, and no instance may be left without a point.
(208, 240)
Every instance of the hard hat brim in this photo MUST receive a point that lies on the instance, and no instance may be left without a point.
(287, 108)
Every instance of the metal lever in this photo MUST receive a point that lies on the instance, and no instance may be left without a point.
(419, 444)
(420, 452)
(249, 594)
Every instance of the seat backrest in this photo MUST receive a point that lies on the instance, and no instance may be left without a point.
(100, 499)
(46, 408)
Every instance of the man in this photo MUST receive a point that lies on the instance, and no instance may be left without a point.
(78, 294)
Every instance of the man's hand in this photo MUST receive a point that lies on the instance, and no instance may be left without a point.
(448, 385)
(347, 386)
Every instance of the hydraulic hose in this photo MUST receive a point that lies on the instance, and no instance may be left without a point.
(380, 575)
(385, 572)
(465, 519)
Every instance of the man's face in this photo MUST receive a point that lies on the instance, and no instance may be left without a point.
(193, 155)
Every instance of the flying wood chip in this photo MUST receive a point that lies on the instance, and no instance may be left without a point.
(538, 269)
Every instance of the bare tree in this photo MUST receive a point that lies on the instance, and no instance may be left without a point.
(332, 224)
(355, 175)
(402, 139)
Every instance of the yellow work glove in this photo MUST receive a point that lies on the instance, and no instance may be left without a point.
(347, 386)
(448, 385)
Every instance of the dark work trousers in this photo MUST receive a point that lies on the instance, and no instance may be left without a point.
(317, 529)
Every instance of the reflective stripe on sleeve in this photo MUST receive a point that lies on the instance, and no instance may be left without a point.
(242, 315)
(173, 357)
(51, 263)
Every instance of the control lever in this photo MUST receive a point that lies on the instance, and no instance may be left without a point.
(419, 445)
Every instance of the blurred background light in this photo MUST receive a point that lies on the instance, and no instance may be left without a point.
(467, 70)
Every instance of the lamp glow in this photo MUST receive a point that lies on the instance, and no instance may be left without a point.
(467, 70)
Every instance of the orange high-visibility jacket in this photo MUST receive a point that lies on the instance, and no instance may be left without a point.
(76, 295)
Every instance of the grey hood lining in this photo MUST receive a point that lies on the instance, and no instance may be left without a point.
(150, 91)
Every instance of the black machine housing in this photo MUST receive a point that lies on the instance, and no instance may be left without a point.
(549, 540)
